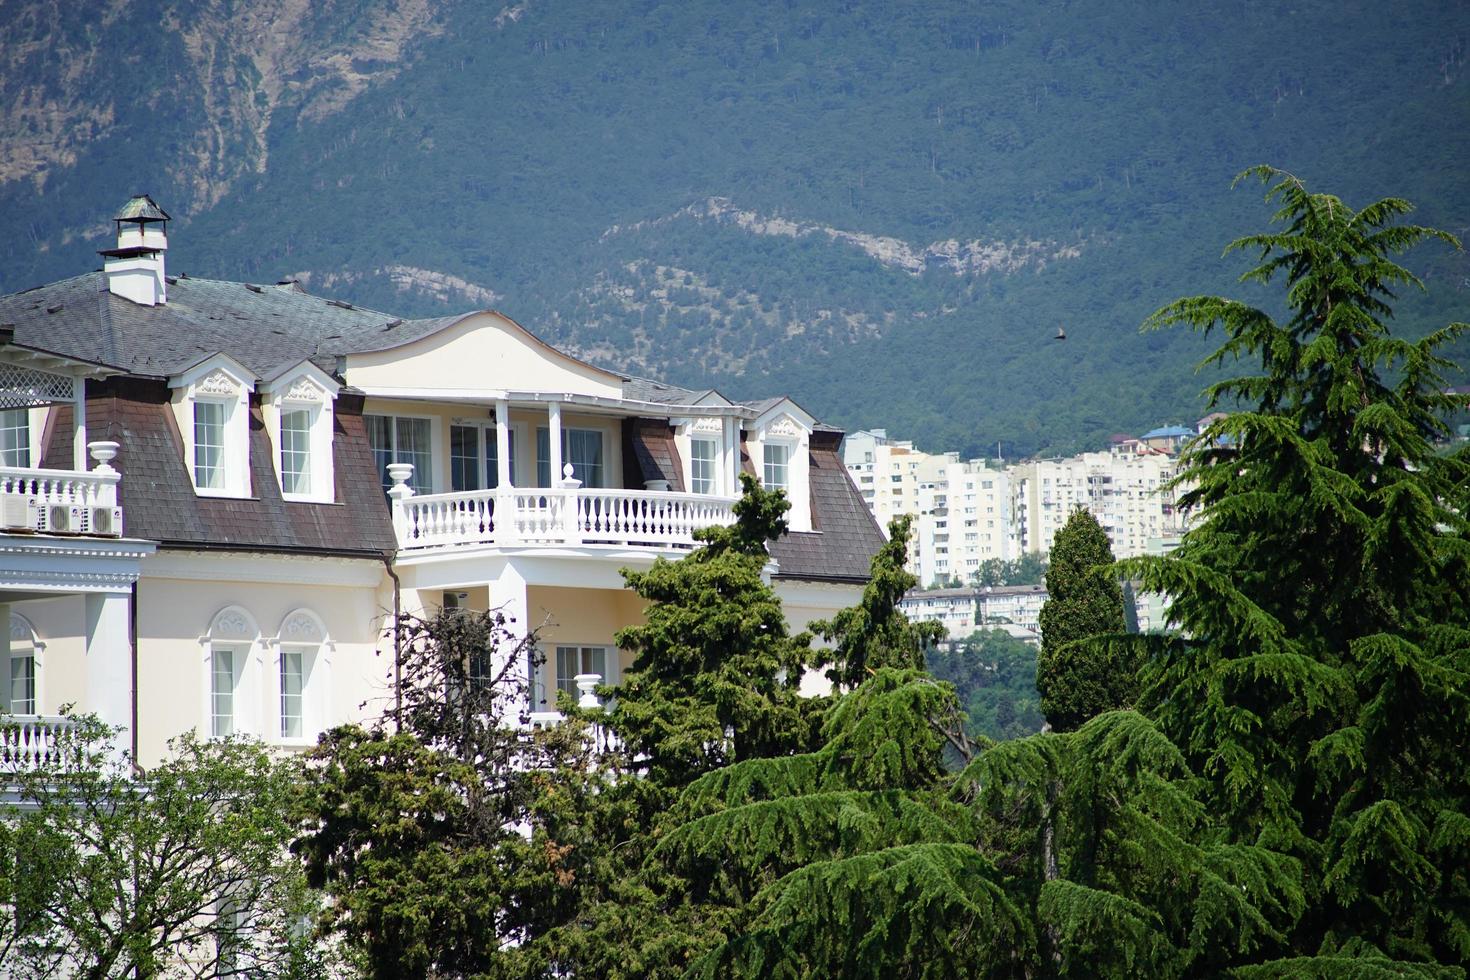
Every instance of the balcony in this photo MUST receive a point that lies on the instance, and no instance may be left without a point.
(29, 742)
(37, 501)
(565, 516)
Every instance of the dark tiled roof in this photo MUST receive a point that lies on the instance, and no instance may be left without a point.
(141, 207)
(265, 328)
(648, 446)
(847, 538)
(159, 502)
(644, 390)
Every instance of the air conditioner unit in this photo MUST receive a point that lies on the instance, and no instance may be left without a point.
(106, 521)
(63, 518)
(20, 513)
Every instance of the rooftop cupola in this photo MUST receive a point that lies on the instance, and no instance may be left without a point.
(135, 267)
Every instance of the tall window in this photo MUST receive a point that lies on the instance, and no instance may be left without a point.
(464, 457)
(580, 447)
(225, 663)
(702, 456)
(209, 444)
(296, 451)
(401, 440)
(22, 667)
(777, 468)
(293, 682)
(571, 661)
(15, 437)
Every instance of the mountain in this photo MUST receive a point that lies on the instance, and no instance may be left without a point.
(883, 209)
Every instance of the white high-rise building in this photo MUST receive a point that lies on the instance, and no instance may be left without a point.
(969, 512)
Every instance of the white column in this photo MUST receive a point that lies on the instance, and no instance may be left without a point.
(508, 597)
(553, 439)
(502, 444)
(109, 658)
(5, 659)
(79, 427)
(730, 453)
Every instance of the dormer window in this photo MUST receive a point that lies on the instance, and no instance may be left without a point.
(297, 407)
(212, 407)
(704, 456)
(779, 443)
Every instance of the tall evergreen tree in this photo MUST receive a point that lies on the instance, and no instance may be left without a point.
(1319, 681)
(1080, 680)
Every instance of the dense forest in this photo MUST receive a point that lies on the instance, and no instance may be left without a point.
(882, 209)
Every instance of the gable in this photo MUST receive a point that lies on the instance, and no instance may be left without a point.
(478, 353)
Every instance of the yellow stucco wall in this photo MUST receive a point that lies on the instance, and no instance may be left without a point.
(482, 352)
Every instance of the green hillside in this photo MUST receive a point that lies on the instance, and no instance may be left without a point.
(758, 196)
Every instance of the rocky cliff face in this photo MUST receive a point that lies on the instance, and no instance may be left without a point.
(243, 62)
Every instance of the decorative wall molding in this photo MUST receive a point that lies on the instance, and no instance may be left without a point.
(217, 383)
(305, 390)
(232, 624)
(302, 627)
(785, 427)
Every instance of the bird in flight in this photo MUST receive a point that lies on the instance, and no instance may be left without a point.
(1061, 334)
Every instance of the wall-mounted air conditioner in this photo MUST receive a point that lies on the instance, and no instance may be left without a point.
(106, 521)
(20, 513)
(63, 518)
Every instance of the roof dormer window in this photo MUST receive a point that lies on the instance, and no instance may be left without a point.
(212, 407)
(781, 454)
(297, 407)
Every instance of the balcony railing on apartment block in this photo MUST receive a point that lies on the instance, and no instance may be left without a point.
(560, 516)
(38, 501)
(31, 741)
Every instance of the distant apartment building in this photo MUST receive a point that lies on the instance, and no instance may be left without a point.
(969, 512)
(961, 508)
(1016, 608)
(1125, 489)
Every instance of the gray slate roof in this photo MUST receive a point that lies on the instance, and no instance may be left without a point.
(265, 328)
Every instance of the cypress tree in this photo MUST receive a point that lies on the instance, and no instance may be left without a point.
(1077, 680)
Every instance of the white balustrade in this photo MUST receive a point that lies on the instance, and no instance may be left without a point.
(557, 516)
(58, 501)
(31, 741)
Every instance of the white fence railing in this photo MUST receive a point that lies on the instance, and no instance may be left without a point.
(651, 518)
(62, 501)
(30, 741)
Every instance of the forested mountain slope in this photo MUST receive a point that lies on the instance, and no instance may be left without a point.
(885, 209)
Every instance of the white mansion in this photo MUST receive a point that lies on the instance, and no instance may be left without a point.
(214, 494)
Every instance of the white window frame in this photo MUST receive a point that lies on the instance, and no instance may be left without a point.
(23, 636)
(608, 476)
(302, 632)
(308, 388)
(712, 479)
(420, 482)
(221, 380)
(786, 424)
(35, 424)
(488, 449)
(233, 629)
(550, 681)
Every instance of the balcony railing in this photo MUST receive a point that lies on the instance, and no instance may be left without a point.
(562, 516)
(62, 501)
(31, 741)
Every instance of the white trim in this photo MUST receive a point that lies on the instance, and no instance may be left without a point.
(218, 379)
(304, 387)
(302, 631)
(235, 628)
(521, 399)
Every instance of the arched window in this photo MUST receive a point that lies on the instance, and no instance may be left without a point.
(231, 674)
(23, 673)
(302, 671)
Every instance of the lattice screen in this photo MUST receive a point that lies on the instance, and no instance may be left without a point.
(23, 387)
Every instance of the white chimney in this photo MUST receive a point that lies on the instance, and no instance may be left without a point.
(135, 267)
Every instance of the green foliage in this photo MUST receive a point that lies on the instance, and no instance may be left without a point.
(445, 829)
(994, 676)
(106, 871)
(1323, 594)
(875, 633)
(1029, 569)
(1079, 679)
(716, 673)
